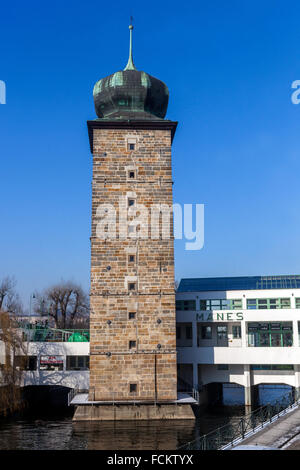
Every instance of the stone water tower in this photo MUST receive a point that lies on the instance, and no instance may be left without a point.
(133, 372)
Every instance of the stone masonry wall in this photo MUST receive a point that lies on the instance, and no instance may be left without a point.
(146, 314)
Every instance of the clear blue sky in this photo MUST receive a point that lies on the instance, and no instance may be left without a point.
(229, 66)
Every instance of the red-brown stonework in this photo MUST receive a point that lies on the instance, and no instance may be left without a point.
(146, 316)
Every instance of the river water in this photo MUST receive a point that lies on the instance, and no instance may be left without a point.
(59, 432)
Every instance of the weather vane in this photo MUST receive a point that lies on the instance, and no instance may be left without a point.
(130, 65)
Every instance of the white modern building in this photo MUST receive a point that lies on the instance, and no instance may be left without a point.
(52, 357)
(238, 330)
(60, 363)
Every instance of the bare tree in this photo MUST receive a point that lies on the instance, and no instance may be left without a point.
(13, 360)
(9, 299)
(66, 303)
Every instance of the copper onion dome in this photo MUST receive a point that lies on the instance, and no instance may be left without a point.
(130, 94)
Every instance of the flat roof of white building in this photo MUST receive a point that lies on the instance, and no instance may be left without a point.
(239, 283)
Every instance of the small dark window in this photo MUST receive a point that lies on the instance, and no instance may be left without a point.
(206, 332)
(131, 146)
(32, 363)
(77, 363)
(131, 315)
(131, 258)
(236, 332)
(133, 388)
(131, 202)
(131, 286)
(188, 332)
(223, 367)
(26, 362)
(131, 174)
(132, 344)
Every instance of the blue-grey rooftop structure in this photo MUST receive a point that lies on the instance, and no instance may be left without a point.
(239, 283)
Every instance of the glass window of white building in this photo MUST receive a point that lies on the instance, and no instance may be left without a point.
(275, 334)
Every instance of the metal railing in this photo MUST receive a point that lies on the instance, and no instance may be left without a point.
(186, 388)
(71, 395)
(232, 434)
(196, 395)
(49, 335)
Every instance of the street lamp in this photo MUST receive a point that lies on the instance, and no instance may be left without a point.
(32, 296)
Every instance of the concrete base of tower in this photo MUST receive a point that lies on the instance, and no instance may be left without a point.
(130, 412)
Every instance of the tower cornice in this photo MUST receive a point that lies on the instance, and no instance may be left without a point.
(130, 124)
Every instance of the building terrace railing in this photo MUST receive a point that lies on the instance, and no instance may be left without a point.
(231, 434)
(47, 334)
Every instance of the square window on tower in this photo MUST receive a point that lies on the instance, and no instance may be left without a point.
(131, 202)
(131, 259)
(131, 286)
(131, 144)
(132, 315)
(133, 388)
(132, 344)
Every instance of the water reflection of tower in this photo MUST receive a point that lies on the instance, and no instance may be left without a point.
(146, 435)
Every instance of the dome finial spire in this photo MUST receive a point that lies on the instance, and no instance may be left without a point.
(130, 65)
